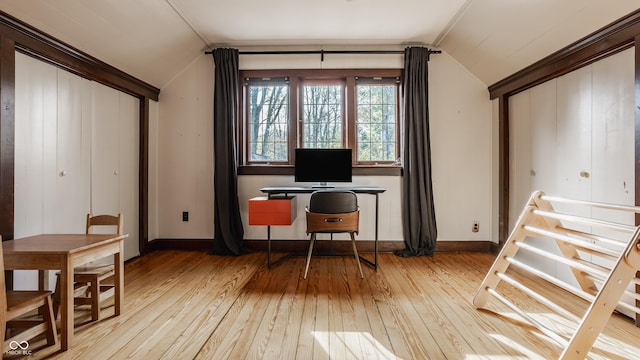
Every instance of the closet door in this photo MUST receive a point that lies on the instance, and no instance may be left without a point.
(67, 211)
(574, 134)
(613, 175)
(114, 159)
(128, 160)
(52, 153)
(35, 137)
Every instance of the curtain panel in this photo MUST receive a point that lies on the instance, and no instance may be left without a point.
(418, 212)
(229, 232)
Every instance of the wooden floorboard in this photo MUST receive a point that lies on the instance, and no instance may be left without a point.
(190, 305)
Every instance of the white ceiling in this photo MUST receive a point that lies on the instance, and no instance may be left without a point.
(154, 40)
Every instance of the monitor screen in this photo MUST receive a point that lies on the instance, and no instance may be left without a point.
(323, 165)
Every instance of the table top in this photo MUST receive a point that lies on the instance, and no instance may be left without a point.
(57, 243)
(310, 189)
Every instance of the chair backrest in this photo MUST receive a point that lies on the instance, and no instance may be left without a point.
(333, 201)
(105, 220)
(333, 211)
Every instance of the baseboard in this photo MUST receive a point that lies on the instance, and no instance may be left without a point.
(335, 246)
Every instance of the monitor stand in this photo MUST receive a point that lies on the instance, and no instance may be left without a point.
(322, 185)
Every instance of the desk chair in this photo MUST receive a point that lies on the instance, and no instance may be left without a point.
(14, 305)
(333, 211)
(89, 286)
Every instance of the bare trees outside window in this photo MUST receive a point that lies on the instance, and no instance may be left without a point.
(268, 117)
(288, 109)
(376, 122)
(322, 120)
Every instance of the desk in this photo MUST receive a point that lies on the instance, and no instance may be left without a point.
(64, 252)
(370, 190)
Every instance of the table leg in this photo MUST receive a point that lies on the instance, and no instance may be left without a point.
(66, 305)
(118, 264)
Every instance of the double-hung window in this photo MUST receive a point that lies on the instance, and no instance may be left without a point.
(287, 109)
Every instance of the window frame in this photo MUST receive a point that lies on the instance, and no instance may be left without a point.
(297, 78)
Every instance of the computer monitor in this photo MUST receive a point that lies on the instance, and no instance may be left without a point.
(322, 166)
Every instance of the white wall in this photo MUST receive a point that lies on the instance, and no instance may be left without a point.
(462, 134)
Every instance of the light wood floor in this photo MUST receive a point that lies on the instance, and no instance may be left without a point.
(190, 305)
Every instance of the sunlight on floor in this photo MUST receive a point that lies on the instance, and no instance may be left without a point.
(508, 343)
(606, 344)
(356, 345)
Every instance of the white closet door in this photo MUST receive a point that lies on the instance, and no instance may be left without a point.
(114, 159)
(613, 142)
(574, 146)
(73, 155)
(129, 141)
(574, 134)
(543, 140)
(519, 154)
(613, 174)
(35, 137)
(105, 152)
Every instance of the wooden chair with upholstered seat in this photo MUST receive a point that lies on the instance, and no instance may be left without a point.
(333, 211)
(89, 279)
(30, 313)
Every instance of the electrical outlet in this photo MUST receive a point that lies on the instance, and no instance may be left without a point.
(185, 216)
(475, 226)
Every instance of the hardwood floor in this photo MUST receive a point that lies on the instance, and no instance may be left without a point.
(190, 305)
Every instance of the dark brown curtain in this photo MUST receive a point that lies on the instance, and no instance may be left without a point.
(227, 221)
(418, 213)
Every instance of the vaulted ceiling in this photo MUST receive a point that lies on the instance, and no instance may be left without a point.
(154, 40)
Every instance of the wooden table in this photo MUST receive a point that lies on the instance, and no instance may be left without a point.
(64, 252)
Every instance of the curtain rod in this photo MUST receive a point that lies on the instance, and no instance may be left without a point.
(323, 52)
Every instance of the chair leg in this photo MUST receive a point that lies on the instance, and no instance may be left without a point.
(313, 239)
(95, 299)
(56, 298)
(49, 316)
(355, 252)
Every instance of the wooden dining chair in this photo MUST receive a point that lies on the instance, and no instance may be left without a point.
(30, 313)
(333, 211)
(89, 280)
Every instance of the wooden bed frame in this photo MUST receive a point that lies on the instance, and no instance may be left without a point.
(580, 239)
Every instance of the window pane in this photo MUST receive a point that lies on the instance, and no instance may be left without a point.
(268, 122)
(376, 122)
(322, 116)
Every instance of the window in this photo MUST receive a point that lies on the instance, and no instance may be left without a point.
(322, 119)
(268, 120)
(288, 109)
(376, 121)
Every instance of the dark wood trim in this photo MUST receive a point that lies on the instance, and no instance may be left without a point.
(503, 171)
(143, 173)
(335, 246)
(7, 135)
(36, 43)
(605, 42)
(381, 170)
(16, 35)
(7, 139)
(349, 130)
(637, 148)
